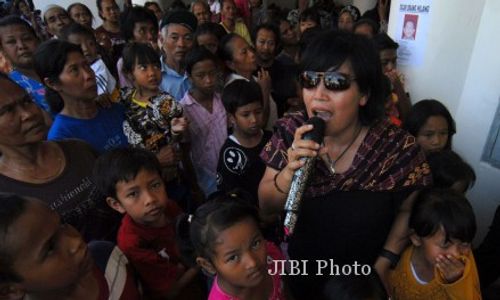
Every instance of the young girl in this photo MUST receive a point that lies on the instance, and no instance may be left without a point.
(138, 25)
(432, 124)
(439, 264)
(228, 244)
(204, 107)
(42, 258)
(153, 119)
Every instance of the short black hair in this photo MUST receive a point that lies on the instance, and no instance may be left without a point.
(11, 208)
(75, 28)
(270, 27)
(122, 164)
(12, 20)
(210, 28)
(366, 21)
(138, 53)
(50, 58)
(134, 15)
(310, 14)
(383, 41)
(226, 46)
(240, 92)
(448, 167)
(422, 110)
(196, 55)
(329, 50)
(446, 208)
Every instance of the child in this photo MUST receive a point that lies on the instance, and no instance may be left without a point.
(153, 119)
(204, 107)
(432, 124)
(84, 37)
(398, 102)
(139, 25)
(439, 264)
(227, 243)
(239, 163)
(309, 18)
(131, 181)
(40, 258)
(449, 170)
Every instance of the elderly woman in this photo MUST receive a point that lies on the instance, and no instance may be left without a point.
(239, 57)
(365, 166)
(59, 173)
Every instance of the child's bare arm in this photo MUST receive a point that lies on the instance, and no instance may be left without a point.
(186, 279)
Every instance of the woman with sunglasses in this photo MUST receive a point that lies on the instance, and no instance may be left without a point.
(364, 169)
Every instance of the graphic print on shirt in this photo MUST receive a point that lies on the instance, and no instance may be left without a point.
(235, 160)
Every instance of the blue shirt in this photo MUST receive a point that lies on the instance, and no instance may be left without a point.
(103, 132)
(173, 83)
(33, 87)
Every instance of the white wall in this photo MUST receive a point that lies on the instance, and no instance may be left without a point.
(461, 68)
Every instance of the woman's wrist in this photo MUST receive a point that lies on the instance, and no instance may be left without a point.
(276, 185)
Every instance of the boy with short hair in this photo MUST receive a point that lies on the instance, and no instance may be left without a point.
(239, 163)
(132, 183)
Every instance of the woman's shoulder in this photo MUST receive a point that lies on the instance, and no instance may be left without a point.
(291, 121)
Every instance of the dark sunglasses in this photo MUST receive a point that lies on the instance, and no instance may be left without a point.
(333, 80)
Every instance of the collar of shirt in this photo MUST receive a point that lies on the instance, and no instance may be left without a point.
(169, 71)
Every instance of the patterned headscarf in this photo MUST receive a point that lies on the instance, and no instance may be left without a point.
(352, 10)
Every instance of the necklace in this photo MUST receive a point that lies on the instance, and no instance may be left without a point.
(332, 162)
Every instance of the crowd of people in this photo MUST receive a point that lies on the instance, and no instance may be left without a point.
(152, 157)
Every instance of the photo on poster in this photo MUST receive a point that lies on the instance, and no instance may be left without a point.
(409, 31)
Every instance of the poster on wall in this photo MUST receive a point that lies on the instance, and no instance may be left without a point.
(411, 31)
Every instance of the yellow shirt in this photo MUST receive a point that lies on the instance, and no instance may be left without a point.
(404, 285)
(241, 29)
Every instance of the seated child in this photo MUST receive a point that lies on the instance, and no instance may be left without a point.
(224, 237)
(85, 38)
(40, 258)
(203, 107)
(131, 181)
(439, 264)
(239, 163)
(449, 170)
(432, 124)
(154, 120)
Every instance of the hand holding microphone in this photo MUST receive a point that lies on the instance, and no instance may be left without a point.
(301, 160)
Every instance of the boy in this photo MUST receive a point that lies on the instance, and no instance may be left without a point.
(208, 126)
(40, 258)
(132, 183)
(84, 37)
(239, 163)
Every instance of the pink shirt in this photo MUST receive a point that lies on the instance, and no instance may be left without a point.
(208, 132)
(273, 252)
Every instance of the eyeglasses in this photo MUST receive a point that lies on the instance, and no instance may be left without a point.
(333, 80)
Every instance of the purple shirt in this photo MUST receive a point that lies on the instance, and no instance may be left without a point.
(208, 132)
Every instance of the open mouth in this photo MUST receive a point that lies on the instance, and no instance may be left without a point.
(324, 115)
